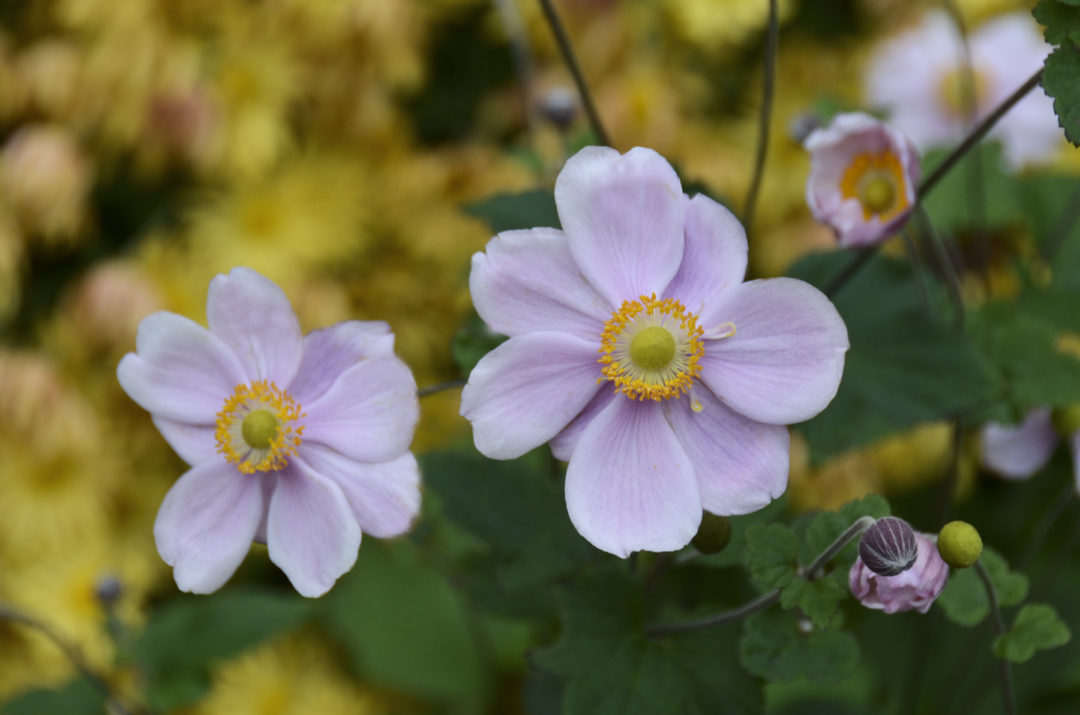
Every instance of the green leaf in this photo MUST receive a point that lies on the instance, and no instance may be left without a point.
(770, 555)
(1037, 627)
(75, 698)
(950, 204)
(964, 598)
(818, 599)
(905, 366)
(473, 341)
(1060, 82)
(1061, 21)
(507, 212)
(613, 669)
(187, 635)
(779, 646)
(402, 625)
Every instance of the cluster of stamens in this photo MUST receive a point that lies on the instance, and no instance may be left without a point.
(256, 427)
(650, 348)
(876, 180)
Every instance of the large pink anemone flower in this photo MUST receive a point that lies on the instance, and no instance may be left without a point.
(299, 442)
(638, 351)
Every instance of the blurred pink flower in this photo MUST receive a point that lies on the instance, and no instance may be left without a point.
(913, 589)
(863, 175)
(920, 77)
(300, 442)
(636, 349)
(1019, 451)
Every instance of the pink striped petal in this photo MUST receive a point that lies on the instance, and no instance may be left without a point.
(331, 351)
(715, 255)
(563, 444)
(194, 444)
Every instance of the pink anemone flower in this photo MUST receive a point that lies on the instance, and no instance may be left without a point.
(913, 589)
(298, 442)
(863, 176)
(636, 350)
(1018, 451)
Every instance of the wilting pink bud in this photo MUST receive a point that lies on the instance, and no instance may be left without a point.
(915, 588)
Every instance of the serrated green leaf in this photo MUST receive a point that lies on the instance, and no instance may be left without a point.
(1060, 82)
(1061, 18)
(905, 366)
(964, 598)
(776, 645)
(770, 555)
(818, 599)
(402, 626)
(507, 212)
(210, 628)
(1037, 627)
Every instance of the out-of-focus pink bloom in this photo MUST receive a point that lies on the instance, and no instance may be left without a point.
(638, 351)
(921, 78)
(913, 589)
(1019, 451)
(300, 442)
(862, 180)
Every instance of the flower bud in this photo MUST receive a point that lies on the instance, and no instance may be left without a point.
(960, 544)
(889, 547)
(109, 589)
(713, 534)
(913, 589)
(1066, 420)
(560, 107)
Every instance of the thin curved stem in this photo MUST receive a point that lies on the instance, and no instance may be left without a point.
(440, 387)
(571, 62)
(1004, 669)
(811, 573)
(768, 82)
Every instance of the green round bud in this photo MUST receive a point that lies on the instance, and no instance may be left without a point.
(1066, 420)
(713, 534)
(959, 544)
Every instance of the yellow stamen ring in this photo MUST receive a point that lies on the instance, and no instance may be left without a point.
(877, 181)
(256, 427)
(651, 348)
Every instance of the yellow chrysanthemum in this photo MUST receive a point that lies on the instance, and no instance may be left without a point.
(716, 26)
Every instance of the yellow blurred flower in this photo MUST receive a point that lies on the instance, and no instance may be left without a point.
(718, 26)
(12, 257)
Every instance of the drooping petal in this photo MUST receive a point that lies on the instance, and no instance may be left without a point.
(1018, 451)
(194, 444)
(205, 526)
(251, 314)
(179, 371)
(384, 496)
(563, 444)
(784, 362)
(527, 281)
(623, 217)
(311, 533)
(525, 391)
(331, 351)
(630, 485)
(369, 413)
(715, 254)
(741, 465)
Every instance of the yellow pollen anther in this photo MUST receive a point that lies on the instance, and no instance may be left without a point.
(877, 182)
(651, 348)
(257, 427)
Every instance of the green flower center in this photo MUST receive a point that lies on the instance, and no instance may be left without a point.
(652, 348)
(259, 428)
(878, 195)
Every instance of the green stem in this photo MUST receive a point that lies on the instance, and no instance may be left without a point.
(1004, 669)
(571, 62)
(811, 573)
(440, 387)
(772, 40)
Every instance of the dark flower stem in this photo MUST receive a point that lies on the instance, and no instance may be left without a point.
(811, 573)
(571, 62)
(976, 134)
(768, 82)
(1004, 669)
(440, 387)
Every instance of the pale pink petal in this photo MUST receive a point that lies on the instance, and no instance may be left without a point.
(623, 216)
(1018, 451)
(741, 465)
(194, 444)
(784, 362)
(563, 444)
(369, 413)
(630, 485)
(331, 351)
(205, 526)
(311, 533)
(714, 257)
(525, 391)
(179, 371)
(527, 281)
(384, 496)
(252, 315)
